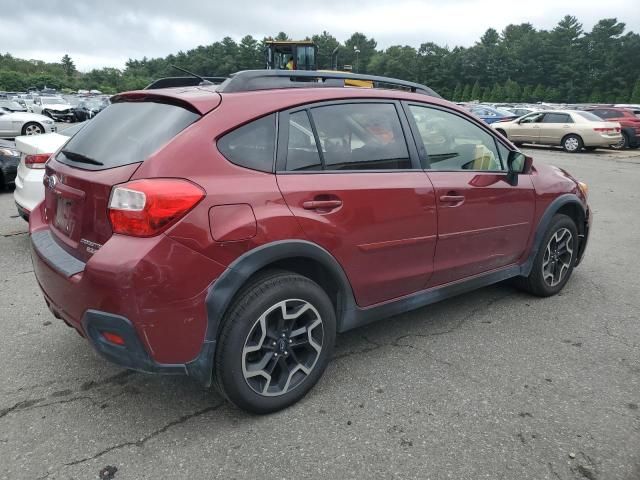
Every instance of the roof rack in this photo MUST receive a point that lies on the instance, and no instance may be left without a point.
(172, 82)
(251, 80)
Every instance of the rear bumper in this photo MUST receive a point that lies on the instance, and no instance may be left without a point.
(152, 291)
(133, 353)
(29, 187)
(23, 212)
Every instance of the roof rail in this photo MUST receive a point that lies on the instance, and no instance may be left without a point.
(171, 82)
(251, 80)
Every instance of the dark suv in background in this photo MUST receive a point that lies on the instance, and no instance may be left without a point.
(229, 232)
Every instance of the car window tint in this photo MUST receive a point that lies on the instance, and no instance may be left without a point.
(557, 118)
(454, 143)
(361, 136)
(252, 145)
(302, 152)
(532, 118)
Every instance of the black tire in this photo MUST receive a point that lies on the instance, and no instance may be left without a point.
(536, 283)
(240, 328)
(32, 127)
(502, 132)
(572, 143)
(622, 144)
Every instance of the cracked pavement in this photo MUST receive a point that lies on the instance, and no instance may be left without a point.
(495, 384)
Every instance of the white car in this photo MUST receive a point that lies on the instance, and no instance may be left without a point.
(35, 151)
(56, 108)
(13, 124)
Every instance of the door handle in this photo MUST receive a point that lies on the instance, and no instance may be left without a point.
(321, 204)
(454, 200)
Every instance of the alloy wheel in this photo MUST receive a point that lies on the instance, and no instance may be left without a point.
(33, 130)
(557, 257)
(571, 144)
(282, 347)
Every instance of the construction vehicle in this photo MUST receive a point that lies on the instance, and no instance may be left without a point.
(301, 53)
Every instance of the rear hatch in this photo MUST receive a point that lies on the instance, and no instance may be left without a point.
(106, 152)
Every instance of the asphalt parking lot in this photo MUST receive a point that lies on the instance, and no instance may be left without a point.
(495, 384)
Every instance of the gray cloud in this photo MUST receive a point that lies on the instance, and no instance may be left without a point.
(106, 33)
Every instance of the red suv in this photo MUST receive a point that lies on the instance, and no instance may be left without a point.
(229, 232)
(629, 121)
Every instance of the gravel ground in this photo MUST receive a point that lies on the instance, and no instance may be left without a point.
(495, 384)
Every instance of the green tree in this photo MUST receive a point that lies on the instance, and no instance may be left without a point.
(486, 94)
(497, 94)
(457, 93)
(326, 44)
(466, 93)
(539, 93)
(527, 94)
(67, 65)
(635, 94)
(476, 92)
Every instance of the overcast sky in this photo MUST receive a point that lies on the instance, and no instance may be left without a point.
(98, 33)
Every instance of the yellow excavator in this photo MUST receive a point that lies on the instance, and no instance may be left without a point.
(300, 55)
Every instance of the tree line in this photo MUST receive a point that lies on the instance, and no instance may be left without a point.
(521, 63)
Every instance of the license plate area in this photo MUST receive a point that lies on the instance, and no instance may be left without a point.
(66, 218)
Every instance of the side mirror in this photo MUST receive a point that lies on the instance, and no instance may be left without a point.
(517, 163)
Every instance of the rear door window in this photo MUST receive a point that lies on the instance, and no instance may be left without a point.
(302, 152)
(125, 133)
(361, 136)
(557, 118)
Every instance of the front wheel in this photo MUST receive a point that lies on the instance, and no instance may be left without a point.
(572, 143)
(555, 260)
(275, 343)
(32, 128)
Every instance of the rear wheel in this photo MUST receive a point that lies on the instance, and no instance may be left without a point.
(555, 260)
(572, 143)
(275, 343)
(622, 144)
(32, 128)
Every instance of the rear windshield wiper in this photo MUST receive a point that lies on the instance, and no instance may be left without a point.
(78, 157)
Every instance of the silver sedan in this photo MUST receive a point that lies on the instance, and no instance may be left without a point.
(13, 124)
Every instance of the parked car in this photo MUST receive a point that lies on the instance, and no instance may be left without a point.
(629, 123)
(23, 123)
(229, 232)
(34, 151)
(491, 115)
(573, 130)
(55, 108)
(520, 111)
(9, 158)
(89, 108)
(12, 106)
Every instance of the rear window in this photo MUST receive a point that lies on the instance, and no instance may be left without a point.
(125, 133)
(589, 116)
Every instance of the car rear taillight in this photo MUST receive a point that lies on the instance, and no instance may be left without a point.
(143, 208)
(607, 129)
(36, 161)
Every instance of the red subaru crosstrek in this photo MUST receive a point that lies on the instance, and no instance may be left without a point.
(228, 232)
